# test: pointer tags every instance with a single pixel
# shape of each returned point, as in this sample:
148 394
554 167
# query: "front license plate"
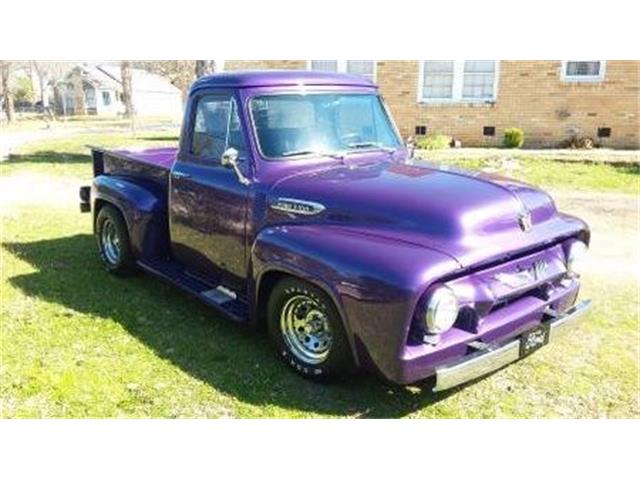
534 339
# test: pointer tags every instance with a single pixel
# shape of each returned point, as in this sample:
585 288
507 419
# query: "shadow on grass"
168 138
48 156
230 358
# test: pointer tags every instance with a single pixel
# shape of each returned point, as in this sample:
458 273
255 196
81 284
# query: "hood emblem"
296 207
524 220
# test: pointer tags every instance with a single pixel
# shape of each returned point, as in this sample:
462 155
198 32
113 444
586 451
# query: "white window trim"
458 86
342 67
583 78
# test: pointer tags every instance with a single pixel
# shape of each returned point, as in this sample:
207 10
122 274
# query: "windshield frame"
331 155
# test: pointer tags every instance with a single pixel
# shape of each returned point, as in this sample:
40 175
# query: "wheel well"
270 279
99 205
267 282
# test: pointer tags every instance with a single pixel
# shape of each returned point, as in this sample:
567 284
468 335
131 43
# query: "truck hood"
470 216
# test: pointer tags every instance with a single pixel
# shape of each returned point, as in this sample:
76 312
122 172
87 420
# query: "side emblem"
296 207
524 220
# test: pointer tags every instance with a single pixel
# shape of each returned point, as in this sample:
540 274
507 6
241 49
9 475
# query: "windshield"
321 124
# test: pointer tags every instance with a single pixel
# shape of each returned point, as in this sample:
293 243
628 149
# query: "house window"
364 68
467 81
583 71
106 98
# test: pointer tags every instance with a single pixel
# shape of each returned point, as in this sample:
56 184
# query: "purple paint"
391 231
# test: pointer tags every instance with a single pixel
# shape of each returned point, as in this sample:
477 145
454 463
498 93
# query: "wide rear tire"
114 246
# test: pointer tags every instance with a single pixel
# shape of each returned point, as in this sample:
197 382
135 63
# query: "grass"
70 156
620 178
33 122
78 342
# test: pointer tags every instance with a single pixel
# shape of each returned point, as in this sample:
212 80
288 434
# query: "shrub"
433 142
582 143
513 138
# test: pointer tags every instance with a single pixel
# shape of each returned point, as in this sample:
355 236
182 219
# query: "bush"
433 142
582 143
513 138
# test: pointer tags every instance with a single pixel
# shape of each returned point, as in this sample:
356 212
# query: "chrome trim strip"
495 357
296 207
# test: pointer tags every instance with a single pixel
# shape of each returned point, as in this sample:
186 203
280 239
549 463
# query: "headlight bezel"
436 320
576 254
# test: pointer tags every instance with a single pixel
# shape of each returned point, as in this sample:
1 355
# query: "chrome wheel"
110 242
305 329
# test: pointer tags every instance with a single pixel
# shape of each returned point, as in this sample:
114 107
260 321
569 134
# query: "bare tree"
127 92
48 73
204 67
181 73
7 94
79 104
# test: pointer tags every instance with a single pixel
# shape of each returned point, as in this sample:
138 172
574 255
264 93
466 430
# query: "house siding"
531 95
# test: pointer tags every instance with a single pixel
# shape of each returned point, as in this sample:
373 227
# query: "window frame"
583 78
256 137
342 68
457 97
187 153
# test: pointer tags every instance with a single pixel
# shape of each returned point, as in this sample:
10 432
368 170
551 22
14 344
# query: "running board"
219 297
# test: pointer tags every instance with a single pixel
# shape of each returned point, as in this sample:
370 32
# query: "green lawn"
70 156
35 122
542 170
78 342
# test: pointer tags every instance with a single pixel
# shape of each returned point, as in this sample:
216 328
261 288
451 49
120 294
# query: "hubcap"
305 329
110 242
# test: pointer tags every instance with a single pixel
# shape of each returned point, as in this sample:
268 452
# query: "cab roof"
278 78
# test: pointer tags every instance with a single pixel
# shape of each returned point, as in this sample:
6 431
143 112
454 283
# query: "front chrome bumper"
491 357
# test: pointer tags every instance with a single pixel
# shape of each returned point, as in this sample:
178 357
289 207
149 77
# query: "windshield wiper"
296 153
370 145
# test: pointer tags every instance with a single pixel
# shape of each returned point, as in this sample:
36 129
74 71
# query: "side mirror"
230 160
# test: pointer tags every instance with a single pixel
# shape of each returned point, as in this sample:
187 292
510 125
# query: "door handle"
181 175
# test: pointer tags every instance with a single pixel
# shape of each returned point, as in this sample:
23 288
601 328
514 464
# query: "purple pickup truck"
292 203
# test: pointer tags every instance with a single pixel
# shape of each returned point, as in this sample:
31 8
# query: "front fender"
143 207
375 282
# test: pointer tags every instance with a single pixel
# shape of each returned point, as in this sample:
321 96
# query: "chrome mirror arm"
230 160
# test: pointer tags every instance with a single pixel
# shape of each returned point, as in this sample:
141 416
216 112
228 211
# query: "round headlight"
576 256
442 311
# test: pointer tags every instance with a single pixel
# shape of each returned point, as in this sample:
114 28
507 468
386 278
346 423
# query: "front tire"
113 241
307 330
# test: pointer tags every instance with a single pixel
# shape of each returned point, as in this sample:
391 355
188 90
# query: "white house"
152 94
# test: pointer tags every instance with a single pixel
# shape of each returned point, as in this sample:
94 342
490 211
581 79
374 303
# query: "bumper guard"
492 357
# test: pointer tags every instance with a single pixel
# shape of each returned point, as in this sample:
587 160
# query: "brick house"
474 101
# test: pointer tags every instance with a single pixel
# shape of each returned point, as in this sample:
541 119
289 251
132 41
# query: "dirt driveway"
614 218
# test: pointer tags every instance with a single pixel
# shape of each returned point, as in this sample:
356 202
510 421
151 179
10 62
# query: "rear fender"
144 209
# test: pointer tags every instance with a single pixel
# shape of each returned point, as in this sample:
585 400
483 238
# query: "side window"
216 128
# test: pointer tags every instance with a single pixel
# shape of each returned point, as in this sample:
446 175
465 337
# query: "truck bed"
152 164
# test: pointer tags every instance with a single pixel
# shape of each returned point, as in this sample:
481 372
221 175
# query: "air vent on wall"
489 131
421 130
604 132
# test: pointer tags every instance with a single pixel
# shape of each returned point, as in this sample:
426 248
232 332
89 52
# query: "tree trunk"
127 95
79 105
41 82
7 94
204 67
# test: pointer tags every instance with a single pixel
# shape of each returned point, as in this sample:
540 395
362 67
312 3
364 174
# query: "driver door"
208 205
